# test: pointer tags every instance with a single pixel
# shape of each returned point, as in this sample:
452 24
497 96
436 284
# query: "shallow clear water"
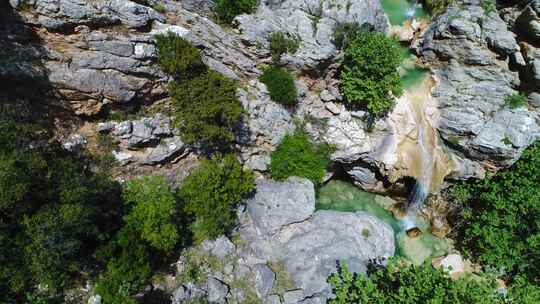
399 11
343 196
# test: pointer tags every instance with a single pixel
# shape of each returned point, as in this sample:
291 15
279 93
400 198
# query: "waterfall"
411 11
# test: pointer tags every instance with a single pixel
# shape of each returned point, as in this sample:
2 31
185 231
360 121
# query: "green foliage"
404 283
159 8
176 56
54 211
488 6
281 43
211 192
345 32
153 211
280 84
226 10
297 155
499 224
515 100
206 109
370 72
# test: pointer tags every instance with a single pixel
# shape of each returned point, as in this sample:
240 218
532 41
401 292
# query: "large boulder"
280 224
313 22
468 50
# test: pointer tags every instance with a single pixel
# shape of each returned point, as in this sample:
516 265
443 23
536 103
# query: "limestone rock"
220 247
276 204
313 22
217 291
166 150
264 280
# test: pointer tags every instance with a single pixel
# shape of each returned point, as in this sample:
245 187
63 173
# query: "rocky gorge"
98 62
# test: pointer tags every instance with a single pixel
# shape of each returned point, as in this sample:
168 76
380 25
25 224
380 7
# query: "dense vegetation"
206 108
346 31
499 224
280 84
369 77
297 155
54 211
281 43
211 193
226 10
403 283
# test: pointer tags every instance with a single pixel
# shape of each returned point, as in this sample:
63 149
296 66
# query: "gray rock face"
312 21
66 14
74 143
220 247
264 280
473 83
278 204
339 237
166 150
217 291
278 226
187 292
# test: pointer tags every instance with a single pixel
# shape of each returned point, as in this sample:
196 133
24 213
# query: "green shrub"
280 84
344 32
370 72
402 283
226 10
499 225
153 211
177 57
281 43
206 109
515 100
210 195
437 7
297 155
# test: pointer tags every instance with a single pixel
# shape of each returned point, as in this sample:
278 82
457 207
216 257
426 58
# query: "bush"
281 43
176 56
499 225
280 84
515 100
403 283
153 211
345 32
206 109
297 155
211 193
437 7
370 72
226 10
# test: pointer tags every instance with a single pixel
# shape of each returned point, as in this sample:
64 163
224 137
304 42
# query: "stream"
419 152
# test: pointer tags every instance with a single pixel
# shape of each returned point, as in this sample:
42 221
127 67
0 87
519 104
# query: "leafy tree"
297 155
499 224
211 192
206 109
346 31
369 74
178 57
404 283
153 211
280 84
54 211
226 10
281 43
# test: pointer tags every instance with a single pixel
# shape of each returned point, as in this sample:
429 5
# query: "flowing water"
399 11
343 196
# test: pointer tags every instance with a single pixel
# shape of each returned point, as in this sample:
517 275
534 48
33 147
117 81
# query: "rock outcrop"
470 52
313 22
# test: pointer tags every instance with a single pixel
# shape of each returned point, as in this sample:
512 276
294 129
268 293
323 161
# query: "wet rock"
217 291
276 204
264 280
